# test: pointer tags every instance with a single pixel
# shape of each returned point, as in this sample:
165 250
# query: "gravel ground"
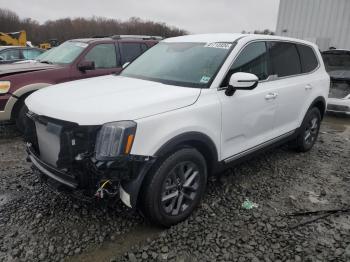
38 225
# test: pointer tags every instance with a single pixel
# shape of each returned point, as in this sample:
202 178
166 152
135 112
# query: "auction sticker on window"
219 45
205 79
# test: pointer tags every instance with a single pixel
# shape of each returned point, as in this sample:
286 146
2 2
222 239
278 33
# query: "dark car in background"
337 62
11 54
72 60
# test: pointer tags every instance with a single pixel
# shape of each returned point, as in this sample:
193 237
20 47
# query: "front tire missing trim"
174 188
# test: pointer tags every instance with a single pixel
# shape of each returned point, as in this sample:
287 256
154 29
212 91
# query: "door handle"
308 87
270 96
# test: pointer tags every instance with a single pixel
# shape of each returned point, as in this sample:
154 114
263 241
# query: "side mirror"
125 64
241 81
86 65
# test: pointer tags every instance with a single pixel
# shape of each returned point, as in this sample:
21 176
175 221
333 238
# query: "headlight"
4 87
115 139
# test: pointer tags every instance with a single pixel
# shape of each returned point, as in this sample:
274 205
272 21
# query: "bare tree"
67 28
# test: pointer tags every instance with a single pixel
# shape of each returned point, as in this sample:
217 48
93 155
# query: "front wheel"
174 188
20 116
309 130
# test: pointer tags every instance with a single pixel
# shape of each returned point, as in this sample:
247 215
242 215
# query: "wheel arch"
203 143
320 103
20 95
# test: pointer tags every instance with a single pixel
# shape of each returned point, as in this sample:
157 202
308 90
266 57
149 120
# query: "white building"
324 22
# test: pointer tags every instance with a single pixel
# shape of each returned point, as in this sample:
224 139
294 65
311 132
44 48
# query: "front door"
248 115
105 58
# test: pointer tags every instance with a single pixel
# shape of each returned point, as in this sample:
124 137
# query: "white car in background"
337 62
185 109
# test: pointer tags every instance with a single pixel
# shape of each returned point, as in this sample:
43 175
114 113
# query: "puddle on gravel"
340 124
115 249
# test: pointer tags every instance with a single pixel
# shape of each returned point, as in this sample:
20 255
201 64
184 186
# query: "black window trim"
275 78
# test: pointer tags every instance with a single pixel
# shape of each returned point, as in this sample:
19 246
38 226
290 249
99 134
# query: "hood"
10 69
100 100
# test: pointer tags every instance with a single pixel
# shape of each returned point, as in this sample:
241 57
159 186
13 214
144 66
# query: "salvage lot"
39 225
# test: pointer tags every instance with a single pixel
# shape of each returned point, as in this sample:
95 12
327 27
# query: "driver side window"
252 59
103 55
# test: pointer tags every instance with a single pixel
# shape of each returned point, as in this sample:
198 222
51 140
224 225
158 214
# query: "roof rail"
100 36
143 37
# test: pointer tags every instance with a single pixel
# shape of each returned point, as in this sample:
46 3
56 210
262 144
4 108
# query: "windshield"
185 64
65 53
337 61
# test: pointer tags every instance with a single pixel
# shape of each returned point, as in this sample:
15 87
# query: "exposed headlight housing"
4 87
115 139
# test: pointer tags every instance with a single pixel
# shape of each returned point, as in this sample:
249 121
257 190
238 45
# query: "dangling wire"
100 192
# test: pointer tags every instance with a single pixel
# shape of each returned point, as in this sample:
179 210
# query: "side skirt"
254 151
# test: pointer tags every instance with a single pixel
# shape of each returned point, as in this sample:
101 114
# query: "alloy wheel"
311 131
180 188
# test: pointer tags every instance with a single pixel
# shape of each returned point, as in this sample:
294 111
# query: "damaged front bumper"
87 181
76 169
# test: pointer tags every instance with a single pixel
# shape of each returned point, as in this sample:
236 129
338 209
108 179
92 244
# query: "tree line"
70 28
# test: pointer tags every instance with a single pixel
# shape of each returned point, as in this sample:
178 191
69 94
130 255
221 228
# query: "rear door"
290 64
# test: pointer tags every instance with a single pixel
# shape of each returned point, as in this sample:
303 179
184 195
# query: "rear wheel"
309 130
174 188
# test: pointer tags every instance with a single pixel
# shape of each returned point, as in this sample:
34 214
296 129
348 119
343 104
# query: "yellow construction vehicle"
14 38
49 44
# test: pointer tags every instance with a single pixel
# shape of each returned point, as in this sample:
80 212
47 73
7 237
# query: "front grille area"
74 163
339 90
67 138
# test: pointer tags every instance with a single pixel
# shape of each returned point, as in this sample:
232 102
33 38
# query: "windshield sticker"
83 45
219 45
205 79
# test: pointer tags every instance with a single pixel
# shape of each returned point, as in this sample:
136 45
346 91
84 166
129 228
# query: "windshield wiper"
45 62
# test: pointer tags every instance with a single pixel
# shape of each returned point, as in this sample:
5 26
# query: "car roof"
100 39
229 37
205 38
15 46
336 51
8 46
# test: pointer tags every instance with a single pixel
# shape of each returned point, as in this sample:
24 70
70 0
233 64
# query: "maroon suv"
72 60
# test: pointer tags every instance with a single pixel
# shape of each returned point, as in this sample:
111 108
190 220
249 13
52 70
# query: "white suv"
183 110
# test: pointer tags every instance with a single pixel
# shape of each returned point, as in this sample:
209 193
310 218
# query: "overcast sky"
196 16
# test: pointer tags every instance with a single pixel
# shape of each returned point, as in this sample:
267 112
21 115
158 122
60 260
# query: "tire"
309 130
174 188
20 116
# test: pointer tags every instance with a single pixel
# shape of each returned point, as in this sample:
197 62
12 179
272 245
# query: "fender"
6 114
130 189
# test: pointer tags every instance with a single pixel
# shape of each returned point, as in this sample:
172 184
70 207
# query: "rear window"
284 59
308 58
